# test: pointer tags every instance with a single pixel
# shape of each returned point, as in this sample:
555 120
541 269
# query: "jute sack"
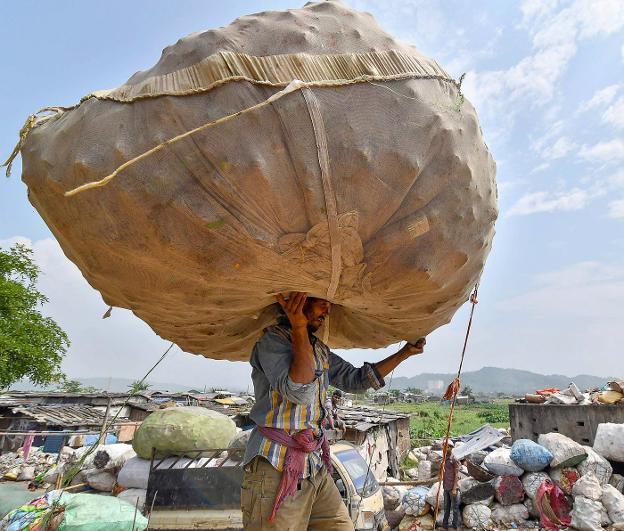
299 150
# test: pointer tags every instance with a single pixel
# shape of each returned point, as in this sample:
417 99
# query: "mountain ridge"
499 380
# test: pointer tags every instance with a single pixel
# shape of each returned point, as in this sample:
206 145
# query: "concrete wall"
577 422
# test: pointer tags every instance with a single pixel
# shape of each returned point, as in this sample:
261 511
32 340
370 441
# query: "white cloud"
543 201
614 114
561 147
540 167
600 98
604 152
616 209
556 29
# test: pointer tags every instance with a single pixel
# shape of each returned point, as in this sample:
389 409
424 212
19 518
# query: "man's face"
316 310
335 399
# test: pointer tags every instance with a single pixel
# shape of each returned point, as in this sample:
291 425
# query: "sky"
546 78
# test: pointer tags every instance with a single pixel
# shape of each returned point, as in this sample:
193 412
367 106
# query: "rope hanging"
451 394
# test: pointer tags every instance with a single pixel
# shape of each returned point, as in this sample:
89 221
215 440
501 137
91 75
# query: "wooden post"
102 439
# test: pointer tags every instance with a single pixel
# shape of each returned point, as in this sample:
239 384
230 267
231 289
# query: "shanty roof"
62 415
363 418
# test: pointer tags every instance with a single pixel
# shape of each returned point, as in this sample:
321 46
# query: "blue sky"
547 80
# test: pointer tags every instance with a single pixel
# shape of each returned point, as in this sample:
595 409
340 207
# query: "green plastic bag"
180 430
93 512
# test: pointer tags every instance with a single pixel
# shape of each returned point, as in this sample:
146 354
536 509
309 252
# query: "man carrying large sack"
287 483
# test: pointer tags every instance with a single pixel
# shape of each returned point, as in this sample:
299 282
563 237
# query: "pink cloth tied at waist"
298 445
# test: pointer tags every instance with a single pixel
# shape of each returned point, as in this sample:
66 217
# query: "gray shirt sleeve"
351 379
273 355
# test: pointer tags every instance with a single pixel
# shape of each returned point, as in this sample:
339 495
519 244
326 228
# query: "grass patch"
429 419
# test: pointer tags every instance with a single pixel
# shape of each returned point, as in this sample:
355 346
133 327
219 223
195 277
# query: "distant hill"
495 380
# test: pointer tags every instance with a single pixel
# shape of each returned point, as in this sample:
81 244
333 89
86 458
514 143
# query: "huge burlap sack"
566 452
597 465
369 184
609 441
181 430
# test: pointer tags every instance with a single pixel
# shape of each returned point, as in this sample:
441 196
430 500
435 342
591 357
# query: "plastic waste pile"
611 393
549 484
118 471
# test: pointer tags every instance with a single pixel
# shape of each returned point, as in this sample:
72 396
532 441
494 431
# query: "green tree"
74 386
415 390
467 391
137 386
31 346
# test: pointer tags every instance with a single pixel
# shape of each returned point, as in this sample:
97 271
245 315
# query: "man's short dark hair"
337 392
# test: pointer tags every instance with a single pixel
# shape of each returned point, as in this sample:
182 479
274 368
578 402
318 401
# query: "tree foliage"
137 386
74 386
31 345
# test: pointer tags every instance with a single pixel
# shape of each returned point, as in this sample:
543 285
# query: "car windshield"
357 469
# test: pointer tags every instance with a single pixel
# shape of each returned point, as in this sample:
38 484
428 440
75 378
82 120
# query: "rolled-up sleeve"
273 354
352 379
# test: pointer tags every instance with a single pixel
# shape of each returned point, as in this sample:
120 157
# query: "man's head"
336 396
316 311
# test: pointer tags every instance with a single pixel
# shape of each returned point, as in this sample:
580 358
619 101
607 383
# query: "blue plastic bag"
530 456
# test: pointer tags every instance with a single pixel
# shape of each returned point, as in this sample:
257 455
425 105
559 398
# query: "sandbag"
415 501
179 430
473 491
613 501
432 495
565 478
392 497
135 497
597 465
511 514
94 512
587 515
499 462
531 482
353 191
530 456
508 490
424 470
111 456
101 480
395 517
566 452
589 487
27 473
477 516
609 441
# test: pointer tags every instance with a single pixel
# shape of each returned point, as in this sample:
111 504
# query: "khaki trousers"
317 505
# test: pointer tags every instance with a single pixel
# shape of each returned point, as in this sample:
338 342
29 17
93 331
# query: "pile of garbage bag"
549 484
62 511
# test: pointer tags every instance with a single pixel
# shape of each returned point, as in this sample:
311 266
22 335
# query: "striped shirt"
282 403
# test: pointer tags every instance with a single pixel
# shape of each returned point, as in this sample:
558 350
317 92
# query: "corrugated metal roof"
63 415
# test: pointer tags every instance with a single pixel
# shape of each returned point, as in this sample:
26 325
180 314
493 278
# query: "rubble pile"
611 393
549 484
116 469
